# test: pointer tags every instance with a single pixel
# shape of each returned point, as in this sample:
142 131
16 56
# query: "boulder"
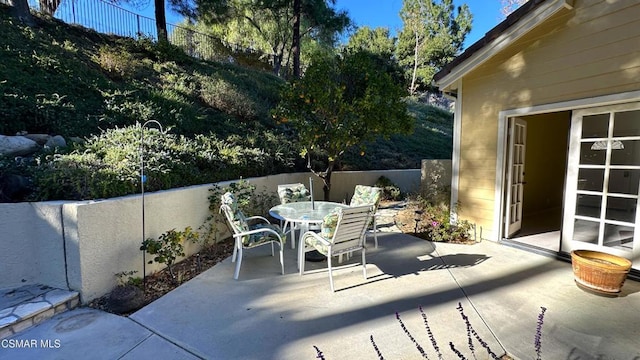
55 142
41 139
17 146
13 187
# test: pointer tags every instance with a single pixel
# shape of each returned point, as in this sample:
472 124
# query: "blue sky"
385 13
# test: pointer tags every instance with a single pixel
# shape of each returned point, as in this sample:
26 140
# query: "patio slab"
265 315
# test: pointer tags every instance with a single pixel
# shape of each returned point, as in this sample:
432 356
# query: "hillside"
67 80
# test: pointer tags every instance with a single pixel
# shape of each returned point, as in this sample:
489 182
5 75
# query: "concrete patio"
264 315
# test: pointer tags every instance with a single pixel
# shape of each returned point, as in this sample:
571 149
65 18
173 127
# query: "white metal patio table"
304 213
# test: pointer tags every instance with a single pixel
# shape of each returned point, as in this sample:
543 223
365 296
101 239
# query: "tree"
161 20
509 6
20 10
343 101
278 27
376 41
432 36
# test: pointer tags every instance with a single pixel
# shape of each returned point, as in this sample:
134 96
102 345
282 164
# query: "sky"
385 13
486 15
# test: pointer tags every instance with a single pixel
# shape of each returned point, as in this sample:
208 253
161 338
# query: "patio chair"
368 195
293 193
289 193
246 236
342 232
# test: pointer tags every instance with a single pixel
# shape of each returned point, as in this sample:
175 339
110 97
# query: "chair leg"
235 251
282 257
330 274
364 263
301 251
238 263
375 232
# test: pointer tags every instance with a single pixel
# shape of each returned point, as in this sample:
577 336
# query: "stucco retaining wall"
82 245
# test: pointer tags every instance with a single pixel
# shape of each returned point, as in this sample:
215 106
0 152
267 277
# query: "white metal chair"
289 193
249 236
368 195
342 233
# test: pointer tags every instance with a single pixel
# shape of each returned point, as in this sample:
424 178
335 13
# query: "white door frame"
501 159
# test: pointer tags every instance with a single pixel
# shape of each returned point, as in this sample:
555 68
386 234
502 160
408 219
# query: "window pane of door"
591 153
595 126
624 181
586 231
627 123
591 179
618 236
630 155
589 205
621 209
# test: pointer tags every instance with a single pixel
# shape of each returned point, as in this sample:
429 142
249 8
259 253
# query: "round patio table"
304 213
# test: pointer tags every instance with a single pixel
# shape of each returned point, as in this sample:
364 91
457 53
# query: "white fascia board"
513 33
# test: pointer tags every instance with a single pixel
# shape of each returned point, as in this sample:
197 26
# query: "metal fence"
107 18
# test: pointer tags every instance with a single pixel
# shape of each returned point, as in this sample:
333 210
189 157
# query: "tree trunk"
326 180
49 7
415 65
161 21
20 10
296 39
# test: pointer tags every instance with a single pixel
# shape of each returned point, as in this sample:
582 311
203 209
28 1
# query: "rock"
55 142
17 146
76 140
13 187
41 139
127 298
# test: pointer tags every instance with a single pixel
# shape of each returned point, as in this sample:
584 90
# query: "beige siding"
589 51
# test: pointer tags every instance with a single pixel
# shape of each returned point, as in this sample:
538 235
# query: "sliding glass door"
603 181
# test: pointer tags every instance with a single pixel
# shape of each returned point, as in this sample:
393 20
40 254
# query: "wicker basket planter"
599 271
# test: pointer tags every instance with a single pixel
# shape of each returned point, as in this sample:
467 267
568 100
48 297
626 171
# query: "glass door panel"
603 181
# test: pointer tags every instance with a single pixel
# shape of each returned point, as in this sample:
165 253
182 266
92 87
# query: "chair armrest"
258 218
256 231
315 235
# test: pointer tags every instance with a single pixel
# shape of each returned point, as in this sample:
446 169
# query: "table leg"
304 227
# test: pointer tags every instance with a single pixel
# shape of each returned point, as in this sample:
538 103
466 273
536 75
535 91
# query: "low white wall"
82 245
31 244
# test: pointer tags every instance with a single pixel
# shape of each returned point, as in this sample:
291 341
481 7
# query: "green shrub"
389 190
108 165
436 224
168 246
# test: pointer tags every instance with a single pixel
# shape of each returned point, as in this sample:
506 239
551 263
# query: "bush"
389 190
168 246
108 165
436 225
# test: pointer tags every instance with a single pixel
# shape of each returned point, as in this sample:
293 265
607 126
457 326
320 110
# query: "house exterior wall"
590 50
